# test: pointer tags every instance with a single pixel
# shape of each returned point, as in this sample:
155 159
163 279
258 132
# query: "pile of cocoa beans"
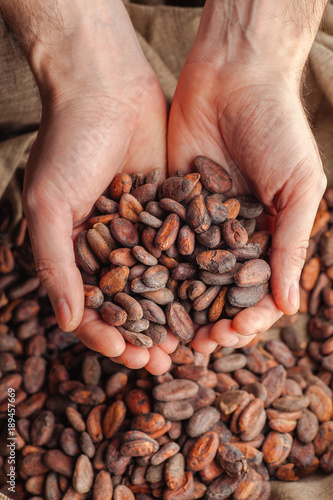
213 427
192 255
316 288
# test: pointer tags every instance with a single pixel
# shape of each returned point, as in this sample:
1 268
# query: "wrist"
82 52
269 37
76 45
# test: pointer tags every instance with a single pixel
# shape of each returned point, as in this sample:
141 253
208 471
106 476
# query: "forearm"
69 41
276 32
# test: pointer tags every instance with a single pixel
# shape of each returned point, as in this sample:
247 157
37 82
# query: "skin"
237 102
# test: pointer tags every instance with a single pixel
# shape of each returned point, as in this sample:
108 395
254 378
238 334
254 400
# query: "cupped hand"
109 115
252 122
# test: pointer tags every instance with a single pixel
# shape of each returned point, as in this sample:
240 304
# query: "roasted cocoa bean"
212 175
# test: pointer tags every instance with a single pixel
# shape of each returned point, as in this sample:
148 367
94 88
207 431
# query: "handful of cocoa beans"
172 252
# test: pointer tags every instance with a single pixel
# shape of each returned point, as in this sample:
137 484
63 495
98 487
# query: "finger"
293 225
50 228
202 342
244 340
99 336
170 344
133 357
159 361
223 333
259 318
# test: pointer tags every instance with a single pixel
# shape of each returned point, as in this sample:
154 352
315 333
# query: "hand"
236 107
103 111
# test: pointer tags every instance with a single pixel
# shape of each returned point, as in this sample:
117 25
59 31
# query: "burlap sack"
166 35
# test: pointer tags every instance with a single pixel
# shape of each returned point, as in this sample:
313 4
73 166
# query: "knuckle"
297 255
46 272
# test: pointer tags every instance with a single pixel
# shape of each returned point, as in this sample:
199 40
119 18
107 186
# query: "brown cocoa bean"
218 212
148 241
150 220
174 410
249 207
130 208
155 276
161 297
85 255
197 215
233 206
124 232
276 448
234 234
93 296
186 241
106 206
253 272
114 281
216 261
175 390
247 297
121 184
201 421
210 238
202 452
122 257
143 256
167 234
113 314
230 363
174 207
137 339
103 488
132 306
212 175
222 487
158 333
320 403
179 322
137 401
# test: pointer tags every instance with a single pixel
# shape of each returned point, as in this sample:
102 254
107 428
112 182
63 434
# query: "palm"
80 147
260 134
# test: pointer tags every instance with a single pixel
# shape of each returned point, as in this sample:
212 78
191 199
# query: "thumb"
50 231
293 226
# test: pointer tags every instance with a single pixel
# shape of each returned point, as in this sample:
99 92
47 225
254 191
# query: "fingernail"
293 295
63 314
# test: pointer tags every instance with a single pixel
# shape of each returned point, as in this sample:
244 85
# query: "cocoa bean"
252 273
212 175
114 281
216 261
234 234
247 297
197 215
179 322
121 184
113 314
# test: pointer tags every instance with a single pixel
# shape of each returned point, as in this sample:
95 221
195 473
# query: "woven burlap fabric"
166 35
